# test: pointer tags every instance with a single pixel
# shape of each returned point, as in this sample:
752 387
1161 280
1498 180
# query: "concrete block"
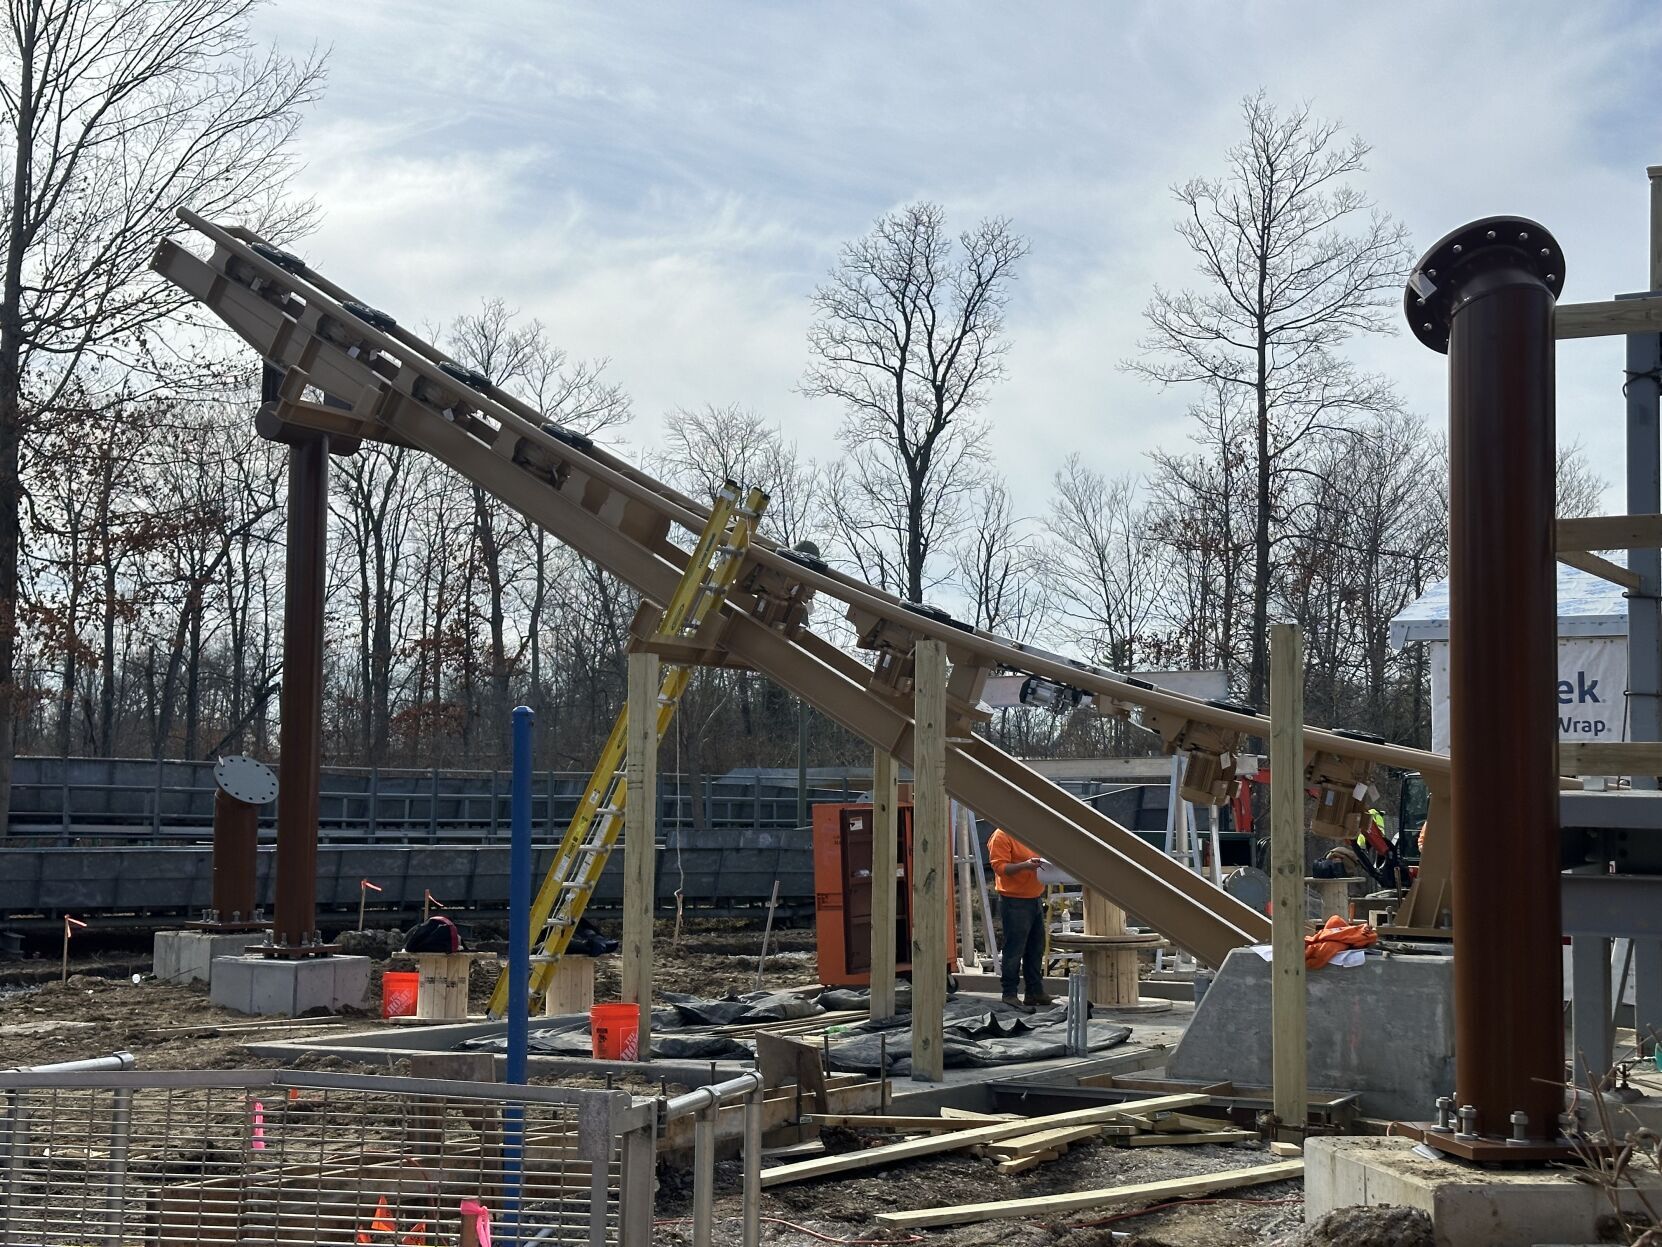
276 987
188 956
1384 1029
1469 1206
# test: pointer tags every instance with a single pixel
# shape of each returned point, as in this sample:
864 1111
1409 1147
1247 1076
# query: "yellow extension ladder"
594 828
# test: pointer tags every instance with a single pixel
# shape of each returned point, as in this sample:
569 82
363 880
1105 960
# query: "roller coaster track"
386 384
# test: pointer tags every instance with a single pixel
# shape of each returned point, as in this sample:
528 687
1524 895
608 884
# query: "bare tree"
705 446
1101 564
1580 488
117 112
1295 261
999 570
908 335
518 357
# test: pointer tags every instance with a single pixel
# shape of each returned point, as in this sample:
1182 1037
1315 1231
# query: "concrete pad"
1383 1029
1469 1206
188 956
278 987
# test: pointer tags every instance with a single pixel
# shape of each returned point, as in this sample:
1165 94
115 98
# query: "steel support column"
294 913
1485 295
1644 497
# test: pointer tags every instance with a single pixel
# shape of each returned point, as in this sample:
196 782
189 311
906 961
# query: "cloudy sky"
664 183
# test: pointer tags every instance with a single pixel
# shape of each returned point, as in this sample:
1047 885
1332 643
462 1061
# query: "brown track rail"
617 515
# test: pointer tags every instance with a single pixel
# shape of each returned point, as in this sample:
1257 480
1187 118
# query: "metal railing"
126 801
705 1104
290 1159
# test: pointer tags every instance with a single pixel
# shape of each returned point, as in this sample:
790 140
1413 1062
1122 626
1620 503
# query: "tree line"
141 516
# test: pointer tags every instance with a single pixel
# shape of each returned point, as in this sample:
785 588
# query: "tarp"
977 1032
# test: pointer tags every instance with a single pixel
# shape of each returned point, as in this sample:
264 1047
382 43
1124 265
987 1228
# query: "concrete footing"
1469 1206
1383 1029
188 956
277 987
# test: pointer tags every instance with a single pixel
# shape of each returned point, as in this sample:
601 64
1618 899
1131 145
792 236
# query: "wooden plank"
640 834
964 1114
892 1121
1278 1148
884 862
1049 1140
1049 1206
1172 1140
1615 757
931 873
1177 1123
1609 532
1604 569
949 1141
783 1061
1607 318
1021 1164
1287 993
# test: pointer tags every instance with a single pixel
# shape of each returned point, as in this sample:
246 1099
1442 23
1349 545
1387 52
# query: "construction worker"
1020 907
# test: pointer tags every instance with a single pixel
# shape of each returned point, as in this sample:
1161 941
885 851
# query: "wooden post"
1287 998
640 834
931 873
965 845
885 850
1111 973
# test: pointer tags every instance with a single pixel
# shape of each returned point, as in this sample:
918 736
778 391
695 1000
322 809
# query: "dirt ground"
101 1011
840 1209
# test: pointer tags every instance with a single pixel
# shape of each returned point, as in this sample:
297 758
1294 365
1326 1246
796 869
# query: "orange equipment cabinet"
842 895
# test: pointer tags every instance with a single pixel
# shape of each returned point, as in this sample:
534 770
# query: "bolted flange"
1439 283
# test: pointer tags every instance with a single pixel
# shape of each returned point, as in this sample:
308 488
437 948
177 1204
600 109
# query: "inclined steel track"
394 389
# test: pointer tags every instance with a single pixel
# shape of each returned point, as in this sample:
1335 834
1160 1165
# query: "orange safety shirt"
1002 849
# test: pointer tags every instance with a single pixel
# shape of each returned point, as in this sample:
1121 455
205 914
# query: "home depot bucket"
615 1031
398 993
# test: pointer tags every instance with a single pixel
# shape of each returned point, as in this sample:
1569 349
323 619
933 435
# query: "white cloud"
664 184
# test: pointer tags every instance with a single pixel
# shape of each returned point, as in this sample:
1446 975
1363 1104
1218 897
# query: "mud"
1378 1226
842 1207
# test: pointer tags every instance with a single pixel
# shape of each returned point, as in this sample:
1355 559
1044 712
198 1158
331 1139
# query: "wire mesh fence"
281 1158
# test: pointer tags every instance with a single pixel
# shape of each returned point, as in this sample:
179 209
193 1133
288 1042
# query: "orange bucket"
398 993
615 1031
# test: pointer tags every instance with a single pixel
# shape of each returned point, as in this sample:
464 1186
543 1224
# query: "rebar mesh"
205 1159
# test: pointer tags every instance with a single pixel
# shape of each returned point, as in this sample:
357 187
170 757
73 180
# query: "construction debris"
952 1140
1052 1205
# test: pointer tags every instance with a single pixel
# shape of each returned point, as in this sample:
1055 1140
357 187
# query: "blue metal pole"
519 960
519 897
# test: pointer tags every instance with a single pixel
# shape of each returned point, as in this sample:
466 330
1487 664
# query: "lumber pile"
1077 1201
1014 1143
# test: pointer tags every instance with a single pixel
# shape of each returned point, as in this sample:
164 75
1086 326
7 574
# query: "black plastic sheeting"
977 1033
675 1027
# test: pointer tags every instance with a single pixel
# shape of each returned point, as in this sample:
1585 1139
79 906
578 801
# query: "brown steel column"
1485 295
236 837
294 916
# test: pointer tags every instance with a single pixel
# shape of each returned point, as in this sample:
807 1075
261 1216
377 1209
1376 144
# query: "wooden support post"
885 854
1111 973
1287 999
965 847
931 873
640 834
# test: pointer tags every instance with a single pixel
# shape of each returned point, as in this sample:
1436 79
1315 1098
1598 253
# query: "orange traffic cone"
382 1224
